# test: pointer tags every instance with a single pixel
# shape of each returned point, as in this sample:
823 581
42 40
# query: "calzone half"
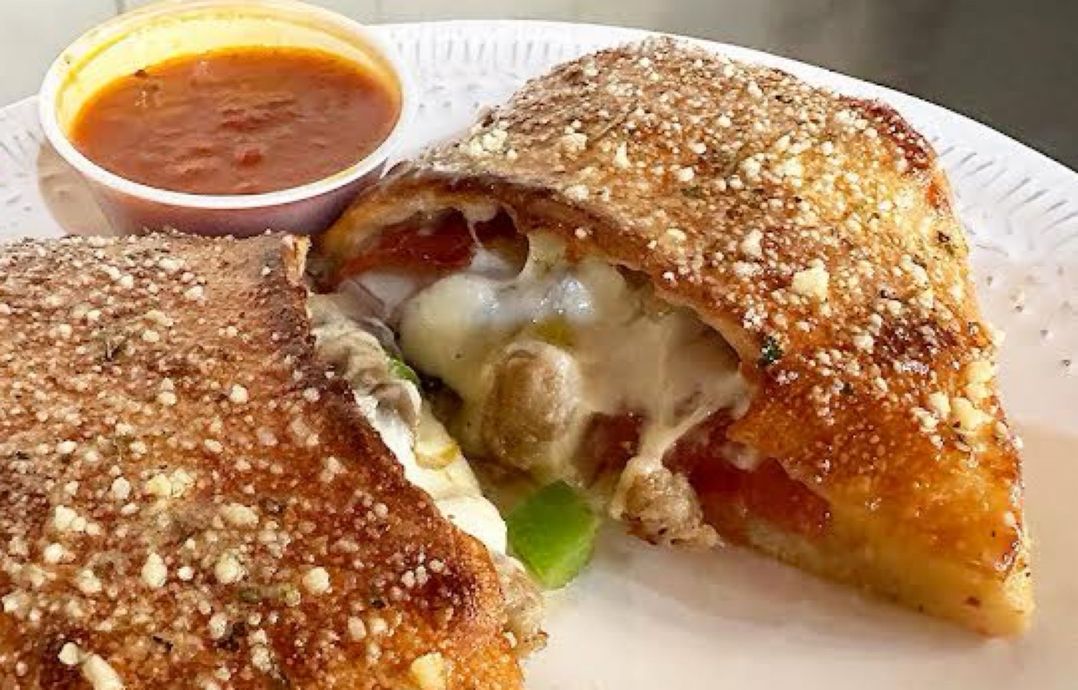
725 303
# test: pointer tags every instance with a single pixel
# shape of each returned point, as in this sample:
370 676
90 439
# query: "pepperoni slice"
432 247
415 247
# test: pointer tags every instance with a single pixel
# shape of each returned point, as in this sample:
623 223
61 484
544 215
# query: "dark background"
1010 64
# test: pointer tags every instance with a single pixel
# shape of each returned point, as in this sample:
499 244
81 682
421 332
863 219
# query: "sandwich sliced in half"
724 303
190 497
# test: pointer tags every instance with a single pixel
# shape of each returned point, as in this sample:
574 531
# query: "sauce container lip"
57 75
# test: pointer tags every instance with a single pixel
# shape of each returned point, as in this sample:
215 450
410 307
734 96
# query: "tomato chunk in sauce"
730 495
238 121
609 442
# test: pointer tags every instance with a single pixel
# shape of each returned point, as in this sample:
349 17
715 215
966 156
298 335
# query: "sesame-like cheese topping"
812 282
316 581
154 572
100 674
429 672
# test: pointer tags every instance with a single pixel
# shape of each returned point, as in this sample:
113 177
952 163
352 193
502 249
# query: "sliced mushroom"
532 417
358 357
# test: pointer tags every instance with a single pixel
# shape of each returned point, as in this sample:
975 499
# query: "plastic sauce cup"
172 29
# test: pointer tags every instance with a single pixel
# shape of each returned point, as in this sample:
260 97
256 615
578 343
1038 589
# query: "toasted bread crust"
816 233
169 507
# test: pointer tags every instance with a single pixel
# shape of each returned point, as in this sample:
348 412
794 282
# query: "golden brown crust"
187 498
816 233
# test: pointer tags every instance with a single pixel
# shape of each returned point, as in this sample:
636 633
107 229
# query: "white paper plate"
644 618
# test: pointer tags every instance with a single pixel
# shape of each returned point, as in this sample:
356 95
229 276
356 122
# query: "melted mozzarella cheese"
634 353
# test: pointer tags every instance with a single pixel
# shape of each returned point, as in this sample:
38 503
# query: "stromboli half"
191 500
815 232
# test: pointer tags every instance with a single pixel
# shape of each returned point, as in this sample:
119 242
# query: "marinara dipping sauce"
237 121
